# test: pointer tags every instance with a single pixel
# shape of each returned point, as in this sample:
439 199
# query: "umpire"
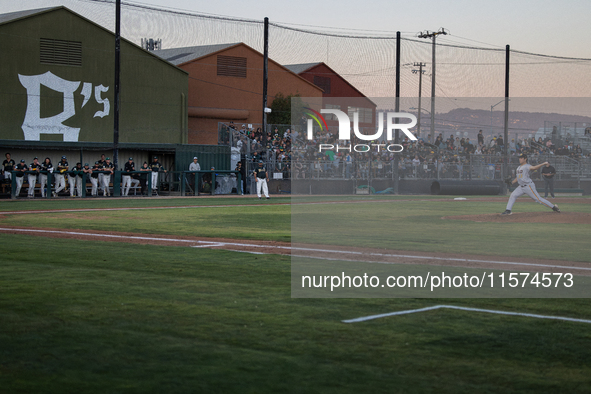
548 173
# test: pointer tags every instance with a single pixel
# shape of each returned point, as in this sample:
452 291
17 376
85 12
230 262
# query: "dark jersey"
108 167
35 166
8 165
77 171
155 166
62 167
46 167
260 173
129 166
548 170
19 168
95 168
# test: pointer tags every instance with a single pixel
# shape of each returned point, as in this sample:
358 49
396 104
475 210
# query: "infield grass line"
373 317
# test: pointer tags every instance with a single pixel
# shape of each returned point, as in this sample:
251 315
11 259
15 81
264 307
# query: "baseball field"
183 295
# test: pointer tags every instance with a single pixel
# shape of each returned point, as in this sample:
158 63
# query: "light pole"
420 72
432 35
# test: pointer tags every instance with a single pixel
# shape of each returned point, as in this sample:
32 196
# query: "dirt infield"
528 217
383 256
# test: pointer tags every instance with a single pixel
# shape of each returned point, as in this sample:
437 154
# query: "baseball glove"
508 180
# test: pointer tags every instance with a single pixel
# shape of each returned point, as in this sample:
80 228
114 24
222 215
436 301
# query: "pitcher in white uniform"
527 186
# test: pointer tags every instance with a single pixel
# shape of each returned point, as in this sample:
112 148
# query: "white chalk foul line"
346 252
373 317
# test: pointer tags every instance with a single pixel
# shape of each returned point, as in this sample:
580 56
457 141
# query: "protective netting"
366 61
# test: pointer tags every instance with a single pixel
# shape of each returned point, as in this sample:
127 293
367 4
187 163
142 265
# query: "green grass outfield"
81 316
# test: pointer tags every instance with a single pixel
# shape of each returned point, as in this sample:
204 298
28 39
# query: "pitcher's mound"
528 217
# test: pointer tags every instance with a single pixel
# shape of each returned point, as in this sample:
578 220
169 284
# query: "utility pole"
432 35
420 72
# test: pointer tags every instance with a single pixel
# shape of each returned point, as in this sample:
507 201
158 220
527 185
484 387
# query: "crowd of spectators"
447 157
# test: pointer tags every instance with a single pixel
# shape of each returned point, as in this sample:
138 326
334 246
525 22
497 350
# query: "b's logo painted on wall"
34 125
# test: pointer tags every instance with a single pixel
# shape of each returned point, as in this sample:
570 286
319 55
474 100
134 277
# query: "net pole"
117 83
506 126
397 109
265 73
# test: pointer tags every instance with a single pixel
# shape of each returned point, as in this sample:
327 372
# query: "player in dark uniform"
46 168
94 178
156 167
101 175
60 180
129 167
262 177
143 178
34 167
548 173
20 169
87 174
8 167
108 167
75 180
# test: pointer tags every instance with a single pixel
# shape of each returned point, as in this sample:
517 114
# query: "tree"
283 107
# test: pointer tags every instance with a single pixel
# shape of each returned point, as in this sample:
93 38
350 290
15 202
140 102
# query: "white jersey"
522 173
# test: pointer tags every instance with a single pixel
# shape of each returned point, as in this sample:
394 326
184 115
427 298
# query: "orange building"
226 84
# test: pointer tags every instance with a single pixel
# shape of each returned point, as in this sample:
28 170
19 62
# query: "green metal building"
57 93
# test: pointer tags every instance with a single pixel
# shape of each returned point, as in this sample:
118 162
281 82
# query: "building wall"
214 98
341 93
76 103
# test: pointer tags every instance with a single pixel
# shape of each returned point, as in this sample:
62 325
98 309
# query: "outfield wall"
419 186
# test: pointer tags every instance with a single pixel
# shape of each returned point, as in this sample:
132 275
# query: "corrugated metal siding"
209 155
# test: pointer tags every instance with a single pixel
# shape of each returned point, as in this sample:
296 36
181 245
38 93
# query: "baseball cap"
108 158
85 164
35 158
63 157
155 157
96 162
131 158
195 158
22 160
523 155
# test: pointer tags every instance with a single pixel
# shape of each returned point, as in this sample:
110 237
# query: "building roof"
303 68
300 68
182 55
11 16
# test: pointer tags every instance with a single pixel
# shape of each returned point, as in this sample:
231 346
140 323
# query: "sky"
538 26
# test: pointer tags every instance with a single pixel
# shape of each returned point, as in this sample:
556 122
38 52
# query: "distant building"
334 89
226 84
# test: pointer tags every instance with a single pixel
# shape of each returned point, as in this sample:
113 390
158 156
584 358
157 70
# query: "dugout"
470 188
